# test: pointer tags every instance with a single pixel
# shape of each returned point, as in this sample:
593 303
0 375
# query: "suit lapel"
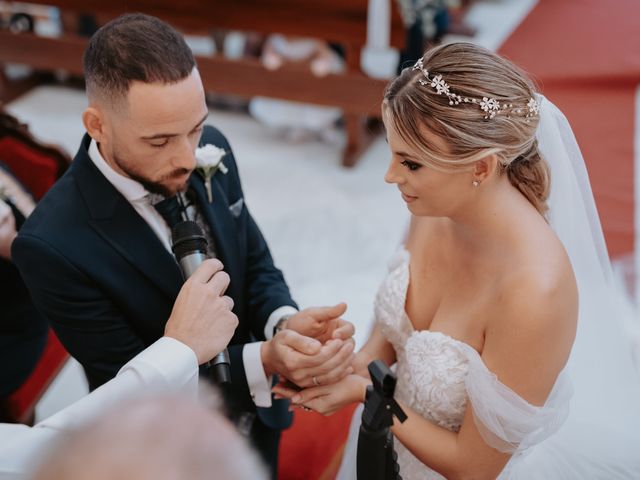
220 221
136 242
117 222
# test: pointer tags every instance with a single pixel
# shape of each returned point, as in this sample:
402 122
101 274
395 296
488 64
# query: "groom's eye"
160 145
413 166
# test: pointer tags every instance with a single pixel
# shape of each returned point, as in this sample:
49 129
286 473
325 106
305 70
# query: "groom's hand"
302 359
322 323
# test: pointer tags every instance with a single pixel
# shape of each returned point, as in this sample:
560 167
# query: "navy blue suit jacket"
107 284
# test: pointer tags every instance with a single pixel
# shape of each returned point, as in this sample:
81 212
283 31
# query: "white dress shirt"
137 196
166 366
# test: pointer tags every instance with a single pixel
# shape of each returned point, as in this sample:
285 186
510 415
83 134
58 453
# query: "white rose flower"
208 162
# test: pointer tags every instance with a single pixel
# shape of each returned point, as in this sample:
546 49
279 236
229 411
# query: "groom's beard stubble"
152 186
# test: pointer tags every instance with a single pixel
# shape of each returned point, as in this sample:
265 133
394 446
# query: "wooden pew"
340 21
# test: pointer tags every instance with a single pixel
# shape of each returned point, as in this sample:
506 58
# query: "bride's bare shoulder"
540 275
535 317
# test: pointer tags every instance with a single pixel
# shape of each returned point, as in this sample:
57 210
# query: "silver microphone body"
190 263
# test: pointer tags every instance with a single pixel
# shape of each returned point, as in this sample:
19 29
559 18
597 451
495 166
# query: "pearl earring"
476 183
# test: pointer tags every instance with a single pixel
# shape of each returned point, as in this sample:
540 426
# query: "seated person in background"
427 22
200 326
28 167
23 330
294 120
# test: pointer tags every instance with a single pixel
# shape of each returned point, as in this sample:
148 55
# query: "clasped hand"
317 361
315 347
331 397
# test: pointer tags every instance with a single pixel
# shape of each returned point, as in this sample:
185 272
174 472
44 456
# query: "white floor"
331 230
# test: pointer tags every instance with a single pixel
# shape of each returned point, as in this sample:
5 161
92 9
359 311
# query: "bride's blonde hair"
470 71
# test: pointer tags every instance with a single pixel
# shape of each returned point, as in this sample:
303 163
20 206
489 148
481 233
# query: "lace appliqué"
438 371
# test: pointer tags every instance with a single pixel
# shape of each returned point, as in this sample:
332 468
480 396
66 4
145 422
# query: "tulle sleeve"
506 421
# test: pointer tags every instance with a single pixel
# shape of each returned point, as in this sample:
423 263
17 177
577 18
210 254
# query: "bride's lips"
408 198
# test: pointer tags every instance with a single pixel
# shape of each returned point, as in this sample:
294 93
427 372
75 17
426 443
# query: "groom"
96 253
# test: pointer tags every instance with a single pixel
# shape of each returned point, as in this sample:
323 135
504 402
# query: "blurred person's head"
162 438
483 136
146 101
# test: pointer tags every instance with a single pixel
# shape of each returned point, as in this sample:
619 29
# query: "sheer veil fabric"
601 435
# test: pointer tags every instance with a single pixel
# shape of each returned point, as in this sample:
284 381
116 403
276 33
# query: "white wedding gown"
437 374
431 366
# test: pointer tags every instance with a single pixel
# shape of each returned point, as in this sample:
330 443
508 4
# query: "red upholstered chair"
35 170
37 166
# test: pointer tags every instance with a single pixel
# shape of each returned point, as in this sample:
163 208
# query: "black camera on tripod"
377 460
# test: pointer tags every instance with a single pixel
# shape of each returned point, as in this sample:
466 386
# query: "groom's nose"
184 155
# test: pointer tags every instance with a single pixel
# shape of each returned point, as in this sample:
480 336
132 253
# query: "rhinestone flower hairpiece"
490 106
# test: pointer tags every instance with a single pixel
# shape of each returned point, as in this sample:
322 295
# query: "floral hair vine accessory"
490 106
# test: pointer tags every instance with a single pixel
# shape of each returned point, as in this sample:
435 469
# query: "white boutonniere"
208 162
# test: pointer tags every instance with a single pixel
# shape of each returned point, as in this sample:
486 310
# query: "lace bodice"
431 366
437 374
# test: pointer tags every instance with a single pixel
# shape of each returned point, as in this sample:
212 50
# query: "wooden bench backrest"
340 21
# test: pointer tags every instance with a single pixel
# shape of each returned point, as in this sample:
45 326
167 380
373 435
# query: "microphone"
190 249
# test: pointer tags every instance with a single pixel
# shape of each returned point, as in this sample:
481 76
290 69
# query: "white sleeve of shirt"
277 314
259 383
166 366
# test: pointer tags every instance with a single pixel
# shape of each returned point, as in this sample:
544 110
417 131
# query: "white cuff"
174 360
259 384
167 366
277 314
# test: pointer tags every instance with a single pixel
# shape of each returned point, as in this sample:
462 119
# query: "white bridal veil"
600 438
590 431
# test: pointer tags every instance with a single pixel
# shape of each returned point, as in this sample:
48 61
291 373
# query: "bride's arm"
377 347
526 348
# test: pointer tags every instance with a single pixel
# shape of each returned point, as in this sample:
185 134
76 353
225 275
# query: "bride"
509 343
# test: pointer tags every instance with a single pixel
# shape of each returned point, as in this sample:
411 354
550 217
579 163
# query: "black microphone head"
191 195
188 237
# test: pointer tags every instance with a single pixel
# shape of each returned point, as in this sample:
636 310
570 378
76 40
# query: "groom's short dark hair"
134 47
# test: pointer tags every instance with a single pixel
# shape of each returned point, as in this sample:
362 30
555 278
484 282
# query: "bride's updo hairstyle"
480 104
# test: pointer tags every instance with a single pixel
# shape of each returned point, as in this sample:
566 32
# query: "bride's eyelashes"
413 166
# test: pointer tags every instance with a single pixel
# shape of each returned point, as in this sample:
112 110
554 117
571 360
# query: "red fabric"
309 449
22 403
36 170
585 56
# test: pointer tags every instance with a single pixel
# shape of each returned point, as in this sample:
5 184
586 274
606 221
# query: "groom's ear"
485 168
94 122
